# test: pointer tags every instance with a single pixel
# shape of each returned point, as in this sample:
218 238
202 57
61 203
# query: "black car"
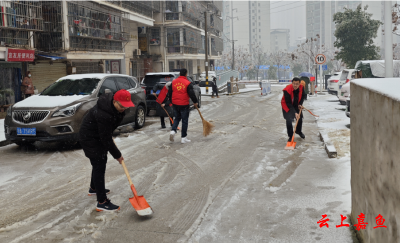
152 79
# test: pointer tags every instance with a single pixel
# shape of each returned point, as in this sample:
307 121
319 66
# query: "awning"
50 57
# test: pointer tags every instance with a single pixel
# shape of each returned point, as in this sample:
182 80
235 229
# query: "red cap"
124 98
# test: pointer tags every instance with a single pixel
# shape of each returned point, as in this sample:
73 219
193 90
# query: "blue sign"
287 67
276 66
324 67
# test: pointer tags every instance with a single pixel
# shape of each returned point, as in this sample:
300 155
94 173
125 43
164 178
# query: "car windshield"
151 80
67 87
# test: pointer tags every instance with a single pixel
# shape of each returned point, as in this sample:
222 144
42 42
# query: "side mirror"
106 91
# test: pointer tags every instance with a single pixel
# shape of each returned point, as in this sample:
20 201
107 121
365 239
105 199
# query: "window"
155 36
108 84
133 82
253 30
173 37
253 23
259 4
123 83
252 11
259 36
259 17
171 66
259 30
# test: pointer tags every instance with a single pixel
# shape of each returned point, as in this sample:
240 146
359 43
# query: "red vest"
179 91
290 90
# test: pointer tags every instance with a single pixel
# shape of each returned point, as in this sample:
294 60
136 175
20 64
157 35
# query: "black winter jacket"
293 106
98 126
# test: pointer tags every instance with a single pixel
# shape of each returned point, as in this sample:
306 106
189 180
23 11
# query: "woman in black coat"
166 104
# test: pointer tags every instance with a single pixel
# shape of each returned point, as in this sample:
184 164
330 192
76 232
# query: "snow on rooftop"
386 86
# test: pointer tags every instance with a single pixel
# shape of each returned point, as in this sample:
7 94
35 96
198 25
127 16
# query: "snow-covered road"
236 185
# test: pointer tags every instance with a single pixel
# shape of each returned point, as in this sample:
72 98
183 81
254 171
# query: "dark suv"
152 79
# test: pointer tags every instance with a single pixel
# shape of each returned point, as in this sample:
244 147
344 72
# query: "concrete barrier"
375 158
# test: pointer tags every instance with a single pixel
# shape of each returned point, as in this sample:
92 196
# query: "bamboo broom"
207 126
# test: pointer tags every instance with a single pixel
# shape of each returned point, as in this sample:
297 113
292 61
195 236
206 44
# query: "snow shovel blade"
290 145
140 204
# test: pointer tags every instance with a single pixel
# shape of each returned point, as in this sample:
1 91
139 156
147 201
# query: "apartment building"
253 25
177 39
280 39
65 37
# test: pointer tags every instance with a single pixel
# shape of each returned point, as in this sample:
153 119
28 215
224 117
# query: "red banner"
20 55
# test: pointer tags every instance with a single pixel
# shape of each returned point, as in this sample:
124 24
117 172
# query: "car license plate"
340 86
342 94
26 131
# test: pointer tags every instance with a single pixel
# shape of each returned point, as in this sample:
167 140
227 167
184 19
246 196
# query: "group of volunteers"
98 126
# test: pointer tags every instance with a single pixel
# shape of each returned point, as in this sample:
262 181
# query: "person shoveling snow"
292 101
96 140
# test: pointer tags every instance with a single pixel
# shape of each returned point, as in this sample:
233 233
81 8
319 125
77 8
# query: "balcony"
145 8
91 27
17 20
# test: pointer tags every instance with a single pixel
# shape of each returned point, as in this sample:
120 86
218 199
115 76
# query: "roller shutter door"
44 74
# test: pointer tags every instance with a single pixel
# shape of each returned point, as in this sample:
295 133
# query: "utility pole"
320 44
233 55
206 40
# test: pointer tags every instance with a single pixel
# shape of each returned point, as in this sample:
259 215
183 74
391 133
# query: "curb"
5 143
329 148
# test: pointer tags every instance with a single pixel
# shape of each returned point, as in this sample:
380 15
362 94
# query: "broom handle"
296 124
199 112
164 109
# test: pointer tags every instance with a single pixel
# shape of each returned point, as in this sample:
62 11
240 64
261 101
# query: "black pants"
214 90
181 113
97 182
289 126
163 122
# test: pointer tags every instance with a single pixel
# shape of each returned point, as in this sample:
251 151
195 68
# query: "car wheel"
22 143
199 100
140 117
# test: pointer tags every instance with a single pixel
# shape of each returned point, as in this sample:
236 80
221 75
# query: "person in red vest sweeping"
292 100
180 91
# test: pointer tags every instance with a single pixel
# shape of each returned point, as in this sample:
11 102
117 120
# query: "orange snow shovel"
291 145
139 203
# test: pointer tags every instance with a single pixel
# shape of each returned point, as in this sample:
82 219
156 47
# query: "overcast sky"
289 15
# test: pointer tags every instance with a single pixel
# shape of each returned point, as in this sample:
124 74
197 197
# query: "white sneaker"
185 140
171 136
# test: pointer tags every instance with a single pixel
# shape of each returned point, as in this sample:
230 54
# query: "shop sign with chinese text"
20 55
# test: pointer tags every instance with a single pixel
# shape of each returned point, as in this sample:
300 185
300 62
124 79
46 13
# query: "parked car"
347 75
348 107
344 93
152 79
375 68
333 83
56 113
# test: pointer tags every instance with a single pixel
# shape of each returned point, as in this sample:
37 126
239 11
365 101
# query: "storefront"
46 72
11 73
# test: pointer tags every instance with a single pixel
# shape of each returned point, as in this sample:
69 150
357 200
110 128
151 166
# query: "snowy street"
236 185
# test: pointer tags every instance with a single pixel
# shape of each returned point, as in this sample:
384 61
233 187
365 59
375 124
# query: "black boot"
162 122
301 135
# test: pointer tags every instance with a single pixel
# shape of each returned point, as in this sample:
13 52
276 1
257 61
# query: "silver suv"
57 113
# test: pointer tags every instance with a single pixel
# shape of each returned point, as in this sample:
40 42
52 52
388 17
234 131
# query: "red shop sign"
20 55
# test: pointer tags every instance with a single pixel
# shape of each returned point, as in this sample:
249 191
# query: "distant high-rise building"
280 39
326 9
253 26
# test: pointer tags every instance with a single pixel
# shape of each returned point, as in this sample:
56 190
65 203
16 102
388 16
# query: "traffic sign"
320 59
324 67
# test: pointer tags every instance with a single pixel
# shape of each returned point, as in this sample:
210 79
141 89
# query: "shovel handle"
126 172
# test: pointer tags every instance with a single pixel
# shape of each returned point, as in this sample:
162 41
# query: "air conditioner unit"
141 30
137 52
